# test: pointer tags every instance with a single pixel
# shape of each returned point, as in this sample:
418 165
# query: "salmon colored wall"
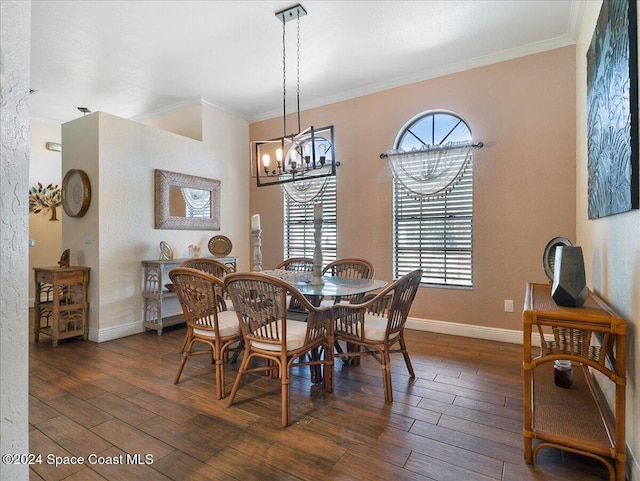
525 182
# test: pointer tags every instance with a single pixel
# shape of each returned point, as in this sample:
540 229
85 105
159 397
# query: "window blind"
435 233
299 230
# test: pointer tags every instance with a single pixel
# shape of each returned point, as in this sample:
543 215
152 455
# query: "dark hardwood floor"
459 419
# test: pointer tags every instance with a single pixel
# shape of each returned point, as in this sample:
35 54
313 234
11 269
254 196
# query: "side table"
61 305
155 276
575 419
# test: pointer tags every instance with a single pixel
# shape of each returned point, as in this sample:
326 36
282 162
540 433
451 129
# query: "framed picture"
186 202
612 113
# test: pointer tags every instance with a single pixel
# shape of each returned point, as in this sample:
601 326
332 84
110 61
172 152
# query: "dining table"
337 287
331 286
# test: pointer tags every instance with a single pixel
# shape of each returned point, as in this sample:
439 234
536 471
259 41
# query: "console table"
155 274
61 306
574 419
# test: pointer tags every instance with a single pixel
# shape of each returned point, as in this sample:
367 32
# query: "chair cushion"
327 302
229 304
227 324
296 332
375 327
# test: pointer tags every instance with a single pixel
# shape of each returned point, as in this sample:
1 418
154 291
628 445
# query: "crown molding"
440 71
183 104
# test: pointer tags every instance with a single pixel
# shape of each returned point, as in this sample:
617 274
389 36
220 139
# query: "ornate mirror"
186 202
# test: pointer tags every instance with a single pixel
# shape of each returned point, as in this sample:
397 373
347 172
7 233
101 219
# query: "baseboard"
116 332
468 330
633 466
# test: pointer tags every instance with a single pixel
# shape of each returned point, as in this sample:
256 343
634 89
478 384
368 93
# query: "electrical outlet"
508 305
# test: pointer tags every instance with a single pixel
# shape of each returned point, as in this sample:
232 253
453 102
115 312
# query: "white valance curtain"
431 170
306 189
197 200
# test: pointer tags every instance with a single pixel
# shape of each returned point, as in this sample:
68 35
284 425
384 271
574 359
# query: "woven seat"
376 325
207 319
260 303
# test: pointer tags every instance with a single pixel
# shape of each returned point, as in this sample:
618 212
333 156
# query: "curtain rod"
477 145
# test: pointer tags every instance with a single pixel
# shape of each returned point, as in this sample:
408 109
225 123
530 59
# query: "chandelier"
301 162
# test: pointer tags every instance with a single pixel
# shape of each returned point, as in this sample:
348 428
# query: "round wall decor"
549 256
219 246
76 193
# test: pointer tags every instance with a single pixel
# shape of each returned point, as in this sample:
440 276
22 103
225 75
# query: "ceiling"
135 59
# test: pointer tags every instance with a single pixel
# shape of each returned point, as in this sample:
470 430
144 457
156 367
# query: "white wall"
611 248
118 231
227 136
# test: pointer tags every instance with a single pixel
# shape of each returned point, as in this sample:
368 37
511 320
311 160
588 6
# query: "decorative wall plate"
219 246
76 193
549 257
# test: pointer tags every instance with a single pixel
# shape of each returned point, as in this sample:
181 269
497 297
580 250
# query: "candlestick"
255 222
317 252
257 252
255 237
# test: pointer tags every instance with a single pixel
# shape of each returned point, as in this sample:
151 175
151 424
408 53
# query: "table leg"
355 360
55 316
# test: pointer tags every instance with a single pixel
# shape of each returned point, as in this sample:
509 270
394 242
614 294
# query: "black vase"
569 284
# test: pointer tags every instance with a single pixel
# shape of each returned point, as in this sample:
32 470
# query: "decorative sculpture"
569 285
64 258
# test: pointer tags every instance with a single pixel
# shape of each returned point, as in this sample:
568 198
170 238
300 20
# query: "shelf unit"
61 306
155 274
576 419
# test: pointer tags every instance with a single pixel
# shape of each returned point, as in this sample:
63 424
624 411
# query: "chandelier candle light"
256 231
317 252
300 161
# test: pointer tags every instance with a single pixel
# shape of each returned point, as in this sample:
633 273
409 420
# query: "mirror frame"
164 180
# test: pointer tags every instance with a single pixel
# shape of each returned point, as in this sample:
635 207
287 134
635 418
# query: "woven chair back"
211 266
261 303
350 268
199 294
298 264
404 292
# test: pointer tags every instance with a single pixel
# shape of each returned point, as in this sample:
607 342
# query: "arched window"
434 232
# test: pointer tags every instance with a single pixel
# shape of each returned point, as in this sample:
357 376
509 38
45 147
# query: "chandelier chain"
298 71
284 79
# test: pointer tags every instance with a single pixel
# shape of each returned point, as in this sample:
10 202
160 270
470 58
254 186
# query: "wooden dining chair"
213 267
350 269
296 264
260 303
206 264
208 321
376 325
